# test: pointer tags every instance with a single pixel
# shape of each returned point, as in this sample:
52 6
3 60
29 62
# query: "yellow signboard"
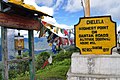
95 35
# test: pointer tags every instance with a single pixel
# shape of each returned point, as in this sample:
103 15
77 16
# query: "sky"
66 13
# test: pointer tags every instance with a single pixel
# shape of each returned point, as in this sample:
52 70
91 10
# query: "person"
118 42
54 48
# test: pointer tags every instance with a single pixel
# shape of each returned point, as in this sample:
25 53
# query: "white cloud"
58 4
55 4
73 6
111 7
49 20
63 26
22 33
55 23
98 7
25 33
115 12
45 2
44 9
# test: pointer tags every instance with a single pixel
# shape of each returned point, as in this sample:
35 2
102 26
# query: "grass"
57 70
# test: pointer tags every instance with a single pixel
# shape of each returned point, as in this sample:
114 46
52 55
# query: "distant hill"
40 45
37 52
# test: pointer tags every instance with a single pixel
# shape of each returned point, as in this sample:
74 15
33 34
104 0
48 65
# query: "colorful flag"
48 61
65 32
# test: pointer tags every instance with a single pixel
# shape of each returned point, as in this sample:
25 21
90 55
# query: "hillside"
57 70
39 43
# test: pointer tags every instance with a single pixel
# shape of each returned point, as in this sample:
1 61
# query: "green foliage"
73 49
22 67
59 67
62 55
0 74
41 58
12 74
19 69
65 54
1 65
65 62
25 54
57 70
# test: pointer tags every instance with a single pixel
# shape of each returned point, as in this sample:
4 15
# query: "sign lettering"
96 35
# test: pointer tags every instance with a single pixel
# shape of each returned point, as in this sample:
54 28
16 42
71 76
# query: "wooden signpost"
95 35
15 19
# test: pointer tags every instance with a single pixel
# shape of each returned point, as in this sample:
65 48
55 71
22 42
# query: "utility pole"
87 8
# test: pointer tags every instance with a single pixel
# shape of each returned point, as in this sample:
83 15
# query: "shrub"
12 74
65 54
41 58
0 74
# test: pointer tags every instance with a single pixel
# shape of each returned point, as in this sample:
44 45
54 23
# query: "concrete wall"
106 66
101 64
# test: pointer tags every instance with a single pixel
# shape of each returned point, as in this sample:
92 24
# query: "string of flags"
61 32
48 61
56 36
51 31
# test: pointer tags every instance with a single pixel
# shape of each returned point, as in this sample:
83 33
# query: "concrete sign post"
95 35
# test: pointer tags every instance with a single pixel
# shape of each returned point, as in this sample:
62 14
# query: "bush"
73 49
12 74
41 58
20 68
65 54
0 74
56 71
